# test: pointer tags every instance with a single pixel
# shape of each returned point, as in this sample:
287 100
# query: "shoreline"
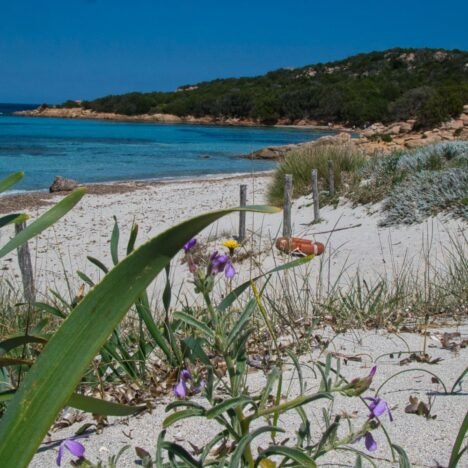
378 137
32 199
85 114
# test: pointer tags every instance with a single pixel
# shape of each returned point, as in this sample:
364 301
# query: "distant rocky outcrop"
381 138
61 184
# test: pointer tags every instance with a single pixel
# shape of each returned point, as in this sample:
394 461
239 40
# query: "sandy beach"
362 247
365 247
428 442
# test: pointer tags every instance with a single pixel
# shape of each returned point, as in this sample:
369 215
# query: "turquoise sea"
99 151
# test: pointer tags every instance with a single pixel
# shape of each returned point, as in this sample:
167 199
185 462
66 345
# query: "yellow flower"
231 244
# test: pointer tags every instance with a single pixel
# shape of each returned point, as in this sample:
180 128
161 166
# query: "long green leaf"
105 408
98 263
114 243
457 450
51 381
226 405
240 323
236 457
404 460
290 453
49 309
180 452
12 343
193 322
10 180
183 414
13 219
43 222
91 405
132 239
153 329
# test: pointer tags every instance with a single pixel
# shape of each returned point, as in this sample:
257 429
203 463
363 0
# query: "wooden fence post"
315 194
243 202
25 265
288 189
331 179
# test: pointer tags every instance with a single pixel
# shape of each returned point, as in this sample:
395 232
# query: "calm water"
96 151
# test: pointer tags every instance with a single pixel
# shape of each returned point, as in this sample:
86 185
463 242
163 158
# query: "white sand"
427 442
371 250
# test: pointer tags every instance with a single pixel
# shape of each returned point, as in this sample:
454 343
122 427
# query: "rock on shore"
381 138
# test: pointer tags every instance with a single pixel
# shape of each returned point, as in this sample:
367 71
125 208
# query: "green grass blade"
85 278
98 263
114 243
44 221
183 414
132 239
236 457
289 453
457 450
10 180
193 322
13 219
42 306
52 380
91 405
153 330
226 405
404 460
102 407
12 343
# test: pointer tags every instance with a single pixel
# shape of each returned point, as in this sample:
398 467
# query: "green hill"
429 85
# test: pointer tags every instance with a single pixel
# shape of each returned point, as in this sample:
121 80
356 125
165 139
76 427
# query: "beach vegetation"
415 184
109 336
411 184
300 162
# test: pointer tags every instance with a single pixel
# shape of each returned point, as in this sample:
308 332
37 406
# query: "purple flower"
180 389
185 375
74 447
190 245
378 407
200 387
370 442
220 263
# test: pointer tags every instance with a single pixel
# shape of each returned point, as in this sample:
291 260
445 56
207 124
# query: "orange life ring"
296 244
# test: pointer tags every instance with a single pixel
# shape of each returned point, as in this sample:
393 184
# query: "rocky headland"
381 138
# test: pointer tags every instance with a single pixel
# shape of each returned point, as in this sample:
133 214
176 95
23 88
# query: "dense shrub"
425 194
380 174
434 157
379 86
439 107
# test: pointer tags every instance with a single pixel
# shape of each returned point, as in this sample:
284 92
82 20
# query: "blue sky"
52 50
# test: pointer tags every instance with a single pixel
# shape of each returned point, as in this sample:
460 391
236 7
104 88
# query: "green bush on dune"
414 184
300 163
